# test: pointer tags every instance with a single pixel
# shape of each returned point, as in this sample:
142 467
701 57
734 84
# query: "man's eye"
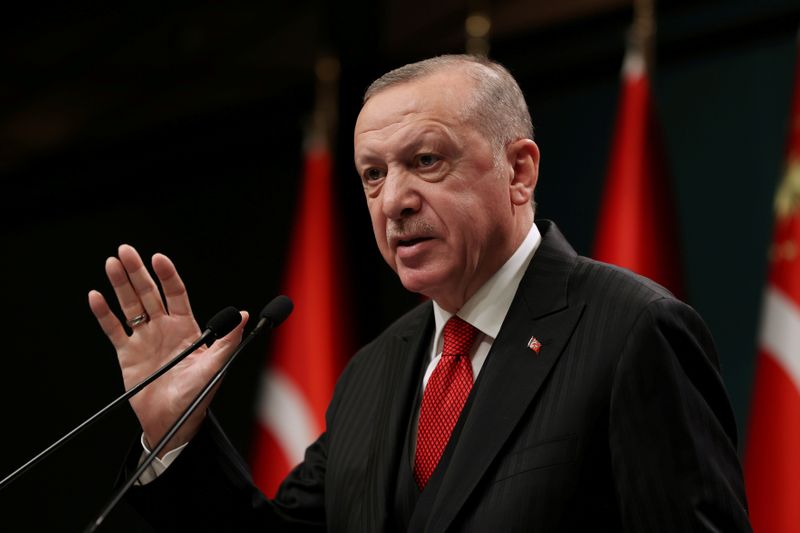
427 160
373 174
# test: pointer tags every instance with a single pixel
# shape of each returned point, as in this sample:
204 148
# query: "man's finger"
172 285
107 319
146 289
126 295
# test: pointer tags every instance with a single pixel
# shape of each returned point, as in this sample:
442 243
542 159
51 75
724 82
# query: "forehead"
442 97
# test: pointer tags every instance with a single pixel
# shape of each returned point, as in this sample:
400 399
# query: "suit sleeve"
671 429
209 488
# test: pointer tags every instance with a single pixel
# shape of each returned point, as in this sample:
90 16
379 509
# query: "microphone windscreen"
277 310
223 322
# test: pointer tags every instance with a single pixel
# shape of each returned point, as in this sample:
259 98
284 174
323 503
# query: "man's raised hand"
170 327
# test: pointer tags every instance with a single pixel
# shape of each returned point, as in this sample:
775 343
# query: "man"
538 390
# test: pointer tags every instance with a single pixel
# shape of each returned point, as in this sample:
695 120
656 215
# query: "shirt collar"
487 308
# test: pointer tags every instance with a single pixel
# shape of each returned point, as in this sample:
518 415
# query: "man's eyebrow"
367 155
429 137
410 142
368 158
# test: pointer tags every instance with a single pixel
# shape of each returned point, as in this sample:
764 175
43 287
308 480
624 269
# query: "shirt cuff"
158 466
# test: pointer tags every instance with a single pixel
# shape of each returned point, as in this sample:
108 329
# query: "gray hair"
498 109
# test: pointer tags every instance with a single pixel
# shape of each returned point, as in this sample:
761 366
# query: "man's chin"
421 282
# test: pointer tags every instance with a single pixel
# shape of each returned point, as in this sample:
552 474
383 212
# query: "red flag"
309 349
637 228
772 459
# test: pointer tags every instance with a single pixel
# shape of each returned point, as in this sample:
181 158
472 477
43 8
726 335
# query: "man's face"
441 211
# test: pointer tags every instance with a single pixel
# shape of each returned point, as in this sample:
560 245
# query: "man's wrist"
159 464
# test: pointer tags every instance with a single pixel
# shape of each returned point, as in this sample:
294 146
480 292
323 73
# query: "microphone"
272 315
276 311
220 325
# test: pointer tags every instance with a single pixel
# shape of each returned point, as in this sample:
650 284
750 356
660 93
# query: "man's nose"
400 197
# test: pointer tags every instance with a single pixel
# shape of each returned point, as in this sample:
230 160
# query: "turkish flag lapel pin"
534 344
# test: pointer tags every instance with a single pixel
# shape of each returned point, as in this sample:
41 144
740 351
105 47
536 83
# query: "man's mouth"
412 242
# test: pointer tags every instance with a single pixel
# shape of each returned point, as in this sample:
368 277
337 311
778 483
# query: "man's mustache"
408 227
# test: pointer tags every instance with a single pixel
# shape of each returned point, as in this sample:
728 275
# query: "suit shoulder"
593 281
411 323
416 317
624 299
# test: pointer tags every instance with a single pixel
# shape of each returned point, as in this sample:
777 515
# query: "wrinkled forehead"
446 96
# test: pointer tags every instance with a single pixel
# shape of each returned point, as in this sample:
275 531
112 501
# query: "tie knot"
458 337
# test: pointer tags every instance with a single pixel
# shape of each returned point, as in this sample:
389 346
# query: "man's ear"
523 157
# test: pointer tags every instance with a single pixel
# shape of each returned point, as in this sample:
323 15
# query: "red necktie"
444 397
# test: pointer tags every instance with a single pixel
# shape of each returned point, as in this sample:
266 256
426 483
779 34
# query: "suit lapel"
403 356
513 372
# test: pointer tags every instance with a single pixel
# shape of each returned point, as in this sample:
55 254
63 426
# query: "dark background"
178 128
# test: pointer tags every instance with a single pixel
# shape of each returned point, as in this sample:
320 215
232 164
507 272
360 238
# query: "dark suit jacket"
619 423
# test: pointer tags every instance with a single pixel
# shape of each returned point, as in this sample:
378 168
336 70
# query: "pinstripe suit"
619 423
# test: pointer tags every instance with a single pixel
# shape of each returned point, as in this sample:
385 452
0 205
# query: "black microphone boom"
273 314
220 325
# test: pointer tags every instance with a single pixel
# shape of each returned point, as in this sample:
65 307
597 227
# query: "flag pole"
641 37
325 114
